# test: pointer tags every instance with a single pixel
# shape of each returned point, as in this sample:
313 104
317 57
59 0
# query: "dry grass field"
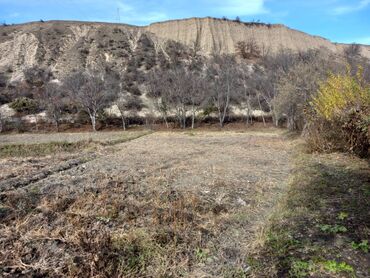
166 204
180 204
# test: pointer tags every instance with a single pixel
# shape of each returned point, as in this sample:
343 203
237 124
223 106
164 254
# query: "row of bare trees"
189 86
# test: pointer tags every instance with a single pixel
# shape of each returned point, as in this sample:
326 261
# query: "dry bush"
248 50
339 116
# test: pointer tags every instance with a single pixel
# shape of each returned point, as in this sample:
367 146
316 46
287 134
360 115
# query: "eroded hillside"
65 46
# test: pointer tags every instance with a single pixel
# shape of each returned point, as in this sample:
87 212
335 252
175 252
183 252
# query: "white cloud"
240 7
339 10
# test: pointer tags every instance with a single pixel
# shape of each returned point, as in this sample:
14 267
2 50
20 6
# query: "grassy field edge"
321 226
44 149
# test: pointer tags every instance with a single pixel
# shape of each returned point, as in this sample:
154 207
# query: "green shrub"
25 105
326 228
300 268
363 245
335 267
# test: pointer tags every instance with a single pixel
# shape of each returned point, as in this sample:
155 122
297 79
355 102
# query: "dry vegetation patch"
322 226
37 145
161 205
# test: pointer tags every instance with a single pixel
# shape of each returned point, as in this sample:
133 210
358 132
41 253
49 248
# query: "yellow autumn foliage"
340 93
340 116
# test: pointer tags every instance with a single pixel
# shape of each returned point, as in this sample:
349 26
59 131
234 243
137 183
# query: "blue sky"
338 20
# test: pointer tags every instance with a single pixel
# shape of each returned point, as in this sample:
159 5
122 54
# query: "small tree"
248 50
4 95
177 85
3 81
179 90
225 79
1 121
157 95
352 54
248 95
128 104
294 91
91 92
197 94
37 77
52 98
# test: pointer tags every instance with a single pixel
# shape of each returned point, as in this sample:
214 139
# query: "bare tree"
157 94
174 86
177 83
3 81
3 97
352 51
4 94
176 53
247 94
178 90
33 86
295 89
223 74
91 92
248 50
197 94
53 99
37 77
266 75
128 105
1 121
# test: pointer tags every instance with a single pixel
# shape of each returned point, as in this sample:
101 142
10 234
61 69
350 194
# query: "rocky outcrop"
64 46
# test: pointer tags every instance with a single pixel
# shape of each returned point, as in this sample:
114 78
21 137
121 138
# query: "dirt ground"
208 192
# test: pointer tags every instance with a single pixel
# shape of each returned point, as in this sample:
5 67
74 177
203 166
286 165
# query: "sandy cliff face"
221 36
64 46
215 35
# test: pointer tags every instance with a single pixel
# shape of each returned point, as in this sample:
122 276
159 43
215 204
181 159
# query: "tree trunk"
221 122
123 123
226 107
164 116
192 119
275 118
249 118
93 120
220 119
183 119
56 122
263 117
36 122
